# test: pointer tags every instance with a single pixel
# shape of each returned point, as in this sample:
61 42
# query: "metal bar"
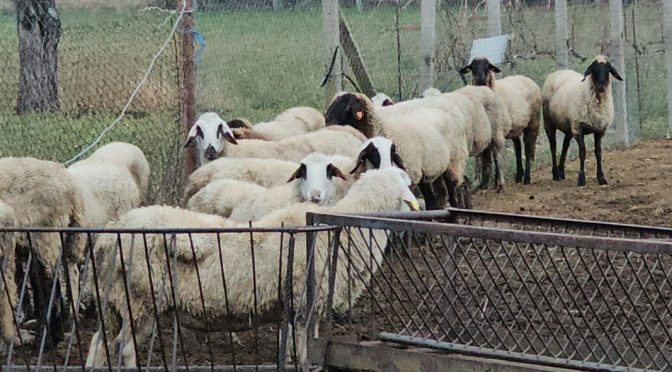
256 301
202 297
225 368
172 230
532 237
498 354
154 306
226 297
128 297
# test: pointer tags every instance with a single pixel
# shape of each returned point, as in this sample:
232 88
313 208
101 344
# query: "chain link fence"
102 54
256 58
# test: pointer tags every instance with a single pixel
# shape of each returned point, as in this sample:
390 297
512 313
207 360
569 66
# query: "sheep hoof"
526 181
582 180
556 175
602 181
519 177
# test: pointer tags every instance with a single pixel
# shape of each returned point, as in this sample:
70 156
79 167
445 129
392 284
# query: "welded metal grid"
162 338
541 296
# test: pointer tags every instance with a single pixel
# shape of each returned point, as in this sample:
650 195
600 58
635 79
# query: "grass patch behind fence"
258 62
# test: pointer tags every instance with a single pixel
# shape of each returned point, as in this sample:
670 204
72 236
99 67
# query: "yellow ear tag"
359 115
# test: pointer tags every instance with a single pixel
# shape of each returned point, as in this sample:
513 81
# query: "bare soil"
639 190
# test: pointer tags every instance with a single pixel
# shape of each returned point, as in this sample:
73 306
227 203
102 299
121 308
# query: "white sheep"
8 298
431 92
382 99
42 193
317 179
292 122
576 105
522 98
430 140
376 191
211 133
124 155
263 172
108 192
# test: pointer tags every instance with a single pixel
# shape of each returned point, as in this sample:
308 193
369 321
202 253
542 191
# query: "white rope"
137 88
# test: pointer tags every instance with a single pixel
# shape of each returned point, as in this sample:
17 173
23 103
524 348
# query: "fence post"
494 17
561 34
427 43
277 4
667 34
620 125
186 70
359 4
330 18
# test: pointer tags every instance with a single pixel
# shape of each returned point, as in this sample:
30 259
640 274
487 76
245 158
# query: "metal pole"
561 35
667 33
427 43
620 125
494 17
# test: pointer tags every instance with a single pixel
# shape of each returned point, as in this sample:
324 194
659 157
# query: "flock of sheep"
364 155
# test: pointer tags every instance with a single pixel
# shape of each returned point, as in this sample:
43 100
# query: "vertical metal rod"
256 301
226 298
154 306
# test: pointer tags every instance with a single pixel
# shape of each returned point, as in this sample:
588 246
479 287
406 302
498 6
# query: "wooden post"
355 58
330 20
667 34
187 93
561 34
277 4
427 43
494 17
620 124
359 4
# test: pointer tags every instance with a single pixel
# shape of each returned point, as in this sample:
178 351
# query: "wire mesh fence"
101 55
545 297
156 298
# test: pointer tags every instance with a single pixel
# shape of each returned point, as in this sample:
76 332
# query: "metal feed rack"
173 344
558 292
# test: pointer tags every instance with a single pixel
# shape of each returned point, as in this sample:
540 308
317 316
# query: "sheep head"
482 71
381 100
599 71
351 109
316 178
380 152
210 132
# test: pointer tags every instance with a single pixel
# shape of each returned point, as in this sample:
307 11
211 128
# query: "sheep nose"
315 196
210 153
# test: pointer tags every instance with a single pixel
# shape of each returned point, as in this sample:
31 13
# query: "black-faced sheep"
522 98
577 105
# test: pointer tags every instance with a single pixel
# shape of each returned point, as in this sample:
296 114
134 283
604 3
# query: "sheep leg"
96 356
519 159
550 133
601 180
563 156
529 138
451 185
499 174
441 192
426 190
582 159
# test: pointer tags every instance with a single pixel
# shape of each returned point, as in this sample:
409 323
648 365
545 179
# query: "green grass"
258 62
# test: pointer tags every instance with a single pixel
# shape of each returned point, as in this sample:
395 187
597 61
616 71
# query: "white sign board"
492 48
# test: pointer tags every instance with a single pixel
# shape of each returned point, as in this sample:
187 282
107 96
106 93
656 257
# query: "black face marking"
387 102
480 69
332 171
370 153
348 109
298 173
599 74
396 159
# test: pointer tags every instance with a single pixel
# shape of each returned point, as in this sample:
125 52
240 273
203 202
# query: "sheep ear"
465 70
193 132
614 73
368 150
239 123
357 108
396 159
588 71
228 134
300 172
333 170
494 68
387 102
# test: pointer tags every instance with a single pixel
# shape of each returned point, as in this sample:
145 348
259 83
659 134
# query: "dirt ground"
639 190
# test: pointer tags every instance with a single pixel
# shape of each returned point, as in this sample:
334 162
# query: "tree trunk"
427 43
39 32
331 29
667 34
620 124
494 18
561 35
